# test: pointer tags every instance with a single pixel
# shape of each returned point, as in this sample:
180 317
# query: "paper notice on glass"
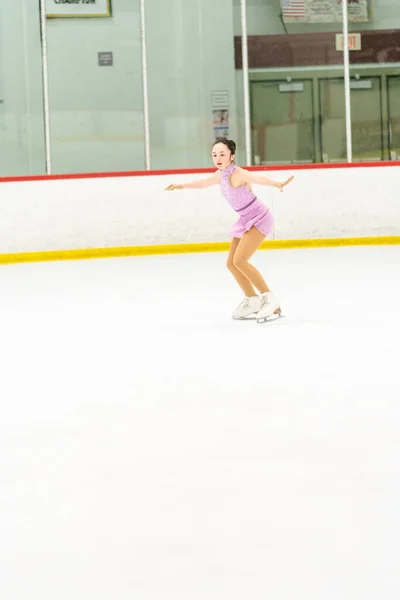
221 123
78 8
323 11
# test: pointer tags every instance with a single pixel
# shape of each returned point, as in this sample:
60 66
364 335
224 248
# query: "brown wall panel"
316 49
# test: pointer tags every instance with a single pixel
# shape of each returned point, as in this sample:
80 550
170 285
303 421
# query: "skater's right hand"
281 184
173 187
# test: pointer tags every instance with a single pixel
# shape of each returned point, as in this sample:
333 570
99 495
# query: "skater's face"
222 156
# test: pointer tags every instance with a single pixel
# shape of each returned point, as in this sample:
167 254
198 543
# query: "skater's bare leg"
242 280
245 249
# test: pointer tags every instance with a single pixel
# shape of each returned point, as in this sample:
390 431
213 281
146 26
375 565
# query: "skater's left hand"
173 187
281 184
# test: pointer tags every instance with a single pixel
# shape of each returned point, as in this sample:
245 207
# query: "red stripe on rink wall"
356 165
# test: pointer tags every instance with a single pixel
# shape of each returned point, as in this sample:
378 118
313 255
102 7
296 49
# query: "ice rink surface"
151 448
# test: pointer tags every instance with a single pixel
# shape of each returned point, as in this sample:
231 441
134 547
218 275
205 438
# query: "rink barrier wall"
93 253
101 215
169 172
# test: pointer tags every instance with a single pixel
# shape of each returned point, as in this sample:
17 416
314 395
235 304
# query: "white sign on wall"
78 8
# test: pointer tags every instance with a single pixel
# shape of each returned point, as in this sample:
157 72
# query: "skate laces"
264 301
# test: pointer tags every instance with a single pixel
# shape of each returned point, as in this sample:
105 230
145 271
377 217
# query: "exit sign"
354 41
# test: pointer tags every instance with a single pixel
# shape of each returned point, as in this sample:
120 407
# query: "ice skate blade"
270 319
249 318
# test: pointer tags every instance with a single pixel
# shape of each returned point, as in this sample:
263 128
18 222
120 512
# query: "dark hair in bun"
230 144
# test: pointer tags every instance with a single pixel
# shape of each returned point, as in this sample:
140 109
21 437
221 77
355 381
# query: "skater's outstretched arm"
262 180
196 185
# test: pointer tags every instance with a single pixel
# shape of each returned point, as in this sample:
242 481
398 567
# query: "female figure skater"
254 224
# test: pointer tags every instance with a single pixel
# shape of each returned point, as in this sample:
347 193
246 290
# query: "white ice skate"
249 306
270 309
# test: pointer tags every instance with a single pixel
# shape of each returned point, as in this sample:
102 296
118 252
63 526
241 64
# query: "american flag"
293 8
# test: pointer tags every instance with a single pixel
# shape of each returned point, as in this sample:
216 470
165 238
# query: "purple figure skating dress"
252 212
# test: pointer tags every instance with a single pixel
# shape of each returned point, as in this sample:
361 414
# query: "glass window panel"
192 85
393 137
96 92
292 51
21 96
375 70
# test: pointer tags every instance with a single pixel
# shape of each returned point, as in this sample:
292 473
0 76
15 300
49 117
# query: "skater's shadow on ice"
204 327
286 321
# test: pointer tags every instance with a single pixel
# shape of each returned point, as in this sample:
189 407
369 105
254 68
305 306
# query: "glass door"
282 122
393 91
366 110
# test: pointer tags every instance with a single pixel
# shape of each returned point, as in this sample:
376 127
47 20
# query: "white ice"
151 448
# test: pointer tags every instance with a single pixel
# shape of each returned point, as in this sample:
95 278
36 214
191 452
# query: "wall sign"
220 99
323 11
78 8
221 123
354 41
105 59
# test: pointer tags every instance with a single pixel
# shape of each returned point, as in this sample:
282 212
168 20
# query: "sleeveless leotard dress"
251 211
